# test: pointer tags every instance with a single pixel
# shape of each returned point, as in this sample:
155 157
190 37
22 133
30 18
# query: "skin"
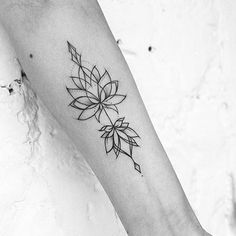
149 204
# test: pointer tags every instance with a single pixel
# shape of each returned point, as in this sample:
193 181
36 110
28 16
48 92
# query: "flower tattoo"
113 134
95 95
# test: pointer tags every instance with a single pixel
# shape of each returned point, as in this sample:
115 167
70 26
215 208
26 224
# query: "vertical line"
108 116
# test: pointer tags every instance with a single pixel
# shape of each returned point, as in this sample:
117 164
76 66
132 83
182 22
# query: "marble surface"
183 57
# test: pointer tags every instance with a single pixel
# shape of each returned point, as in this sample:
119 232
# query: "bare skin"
149 201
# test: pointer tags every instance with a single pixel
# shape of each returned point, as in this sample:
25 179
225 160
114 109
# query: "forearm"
149 203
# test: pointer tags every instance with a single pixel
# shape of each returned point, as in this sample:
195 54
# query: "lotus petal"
119 122
104 79
110 89
123 135
131 133
81 106
88 113
95 74
106 128
108 144
98 114
114 100
123 126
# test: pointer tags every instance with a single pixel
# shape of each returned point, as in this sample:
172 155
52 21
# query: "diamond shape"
137 167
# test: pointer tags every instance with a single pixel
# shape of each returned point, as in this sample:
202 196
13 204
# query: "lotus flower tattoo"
95 95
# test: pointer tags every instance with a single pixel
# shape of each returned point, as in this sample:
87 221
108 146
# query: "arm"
75 66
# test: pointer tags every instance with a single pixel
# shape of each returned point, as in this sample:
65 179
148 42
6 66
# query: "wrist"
160 230
161 223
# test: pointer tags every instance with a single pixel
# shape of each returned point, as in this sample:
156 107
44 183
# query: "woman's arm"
76 68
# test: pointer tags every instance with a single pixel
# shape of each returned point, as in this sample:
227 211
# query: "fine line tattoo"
95 95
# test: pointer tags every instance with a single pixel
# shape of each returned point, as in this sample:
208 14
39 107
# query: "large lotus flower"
94 93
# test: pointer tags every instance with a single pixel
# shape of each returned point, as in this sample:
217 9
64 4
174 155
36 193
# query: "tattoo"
95 95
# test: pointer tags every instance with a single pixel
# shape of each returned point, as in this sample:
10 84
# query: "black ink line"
108 116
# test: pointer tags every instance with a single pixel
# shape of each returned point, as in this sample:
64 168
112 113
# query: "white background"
188 84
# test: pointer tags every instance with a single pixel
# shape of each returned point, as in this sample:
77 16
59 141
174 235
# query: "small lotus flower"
120 138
